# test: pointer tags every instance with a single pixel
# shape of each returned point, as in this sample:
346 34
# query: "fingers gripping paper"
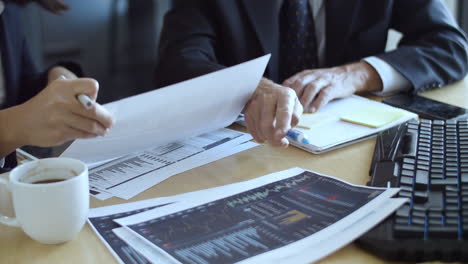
173 113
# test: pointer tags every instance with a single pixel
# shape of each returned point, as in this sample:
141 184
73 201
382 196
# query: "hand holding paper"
176 112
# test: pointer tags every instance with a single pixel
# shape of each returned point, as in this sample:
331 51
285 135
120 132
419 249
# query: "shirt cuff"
392 81
2 162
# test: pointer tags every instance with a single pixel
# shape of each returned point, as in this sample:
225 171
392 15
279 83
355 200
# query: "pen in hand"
82 98
297 136
85 101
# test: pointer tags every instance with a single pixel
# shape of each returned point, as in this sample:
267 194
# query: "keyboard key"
451 169
464 178
422 180
420 196
409 231
435 215
425 145
452 208
450 190
407 173
436 201
452 214
452 221
453 146
451 155
401 220
451 193
405 194
405 180
406 188
451 200
451 164
422 153
450 232
439 184
417 212
409 161
424 162
418 220
423 167
403 211
425 141
438 147
408 166
437 176
438 123
451 174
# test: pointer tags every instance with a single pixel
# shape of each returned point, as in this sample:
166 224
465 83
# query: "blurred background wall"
116 40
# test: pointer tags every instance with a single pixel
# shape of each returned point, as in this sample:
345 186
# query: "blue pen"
298 136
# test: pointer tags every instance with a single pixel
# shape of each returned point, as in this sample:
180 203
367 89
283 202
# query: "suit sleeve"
188 44
32 81
433 50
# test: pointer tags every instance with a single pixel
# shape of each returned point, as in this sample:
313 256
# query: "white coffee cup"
54 212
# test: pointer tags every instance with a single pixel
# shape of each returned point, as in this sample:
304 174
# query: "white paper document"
281 215
132 174
176 112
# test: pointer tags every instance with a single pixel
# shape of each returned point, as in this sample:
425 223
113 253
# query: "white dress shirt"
392 80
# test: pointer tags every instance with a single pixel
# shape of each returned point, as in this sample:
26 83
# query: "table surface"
350 163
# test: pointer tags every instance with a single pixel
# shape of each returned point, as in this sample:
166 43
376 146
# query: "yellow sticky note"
372 117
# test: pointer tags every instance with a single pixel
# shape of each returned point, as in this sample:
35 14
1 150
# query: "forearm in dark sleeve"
433 50
188 45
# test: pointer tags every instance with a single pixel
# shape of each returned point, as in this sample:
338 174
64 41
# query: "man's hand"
271 113
55 116
316 88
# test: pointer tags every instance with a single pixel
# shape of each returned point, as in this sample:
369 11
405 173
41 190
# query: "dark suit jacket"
201 36
22 77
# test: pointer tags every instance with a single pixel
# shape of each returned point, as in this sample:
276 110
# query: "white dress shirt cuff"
393 81
2 162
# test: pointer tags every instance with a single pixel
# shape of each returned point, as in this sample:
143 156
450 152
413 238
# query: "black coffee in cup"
47 181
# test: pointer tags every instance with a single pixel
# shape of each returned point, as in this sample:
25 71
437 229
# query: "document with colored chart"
279 218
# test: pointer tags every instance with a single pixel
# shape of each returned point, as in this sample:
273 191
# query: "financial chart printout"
255 221
104 226
128 176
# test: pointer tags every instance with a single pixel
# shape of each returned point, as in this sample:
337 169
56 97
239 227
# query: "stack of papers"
168 131
132 174
294 216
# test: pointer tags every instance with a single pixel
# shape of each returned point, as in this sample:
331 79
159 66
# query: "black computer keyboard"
428 160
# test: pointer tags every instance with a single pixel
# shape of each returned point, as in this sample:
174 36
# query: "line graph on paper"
256 221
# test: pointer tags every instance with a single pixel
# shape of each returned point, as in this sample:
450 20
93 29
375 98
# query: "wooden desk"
350 163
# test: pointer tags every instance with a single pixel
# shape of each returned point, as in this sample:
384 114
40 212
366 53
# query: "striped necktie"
298 48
